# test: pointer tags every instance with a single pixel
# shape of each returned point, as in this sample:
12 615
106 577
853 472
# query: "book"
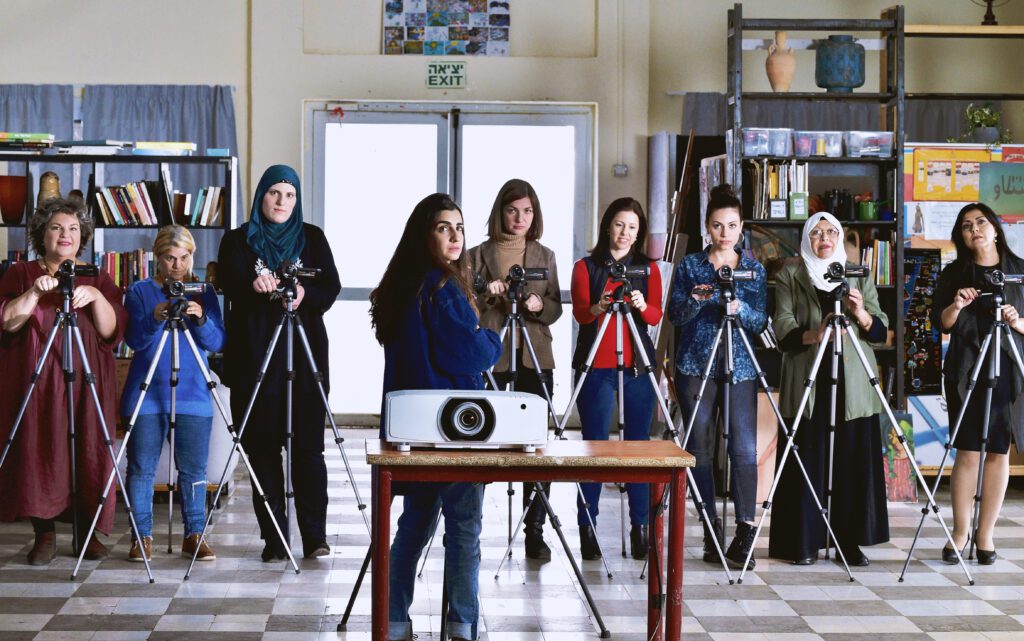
166 145
95 142
90 151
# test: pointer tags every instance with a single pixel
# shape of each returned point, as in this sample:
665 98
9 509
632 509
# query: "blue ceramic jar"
839 64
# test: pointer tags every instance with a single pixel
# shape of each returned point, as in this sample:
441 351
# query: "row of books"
205 210
125 268
105 147
127 205
19 140
779 189
878 257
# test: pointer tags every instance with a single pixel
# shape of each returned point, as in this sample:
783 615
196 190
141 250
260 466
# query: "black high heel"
949 554
986 557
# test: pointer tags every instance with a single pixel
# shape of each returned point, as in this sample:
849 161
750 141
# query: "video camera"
998 279
619 271
68 271
179 289
519 274
838 273
289 274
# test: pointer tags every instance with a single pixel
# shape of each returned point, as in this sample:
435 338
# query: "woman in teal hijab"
248 272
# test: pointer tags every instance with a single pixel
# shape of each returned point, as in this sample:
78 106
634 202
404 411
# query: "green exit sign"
446 75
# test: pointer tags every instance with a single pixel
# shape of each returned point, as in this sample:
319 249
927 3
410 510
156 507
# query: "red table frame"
659 463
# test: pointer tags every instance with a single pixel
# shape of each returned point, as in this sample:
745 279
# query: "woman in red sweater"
621 240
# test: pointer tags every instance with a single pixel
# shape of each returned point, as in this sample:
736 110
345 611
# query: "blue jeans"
191 449
596 404
462 506
742 439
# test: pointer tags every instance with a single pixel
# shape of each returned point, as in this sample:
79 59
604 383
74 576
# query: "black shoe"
316 551
856 558
949 555
273 551
710 554
638 542
986 557
807 560
536 548
740 547
588 544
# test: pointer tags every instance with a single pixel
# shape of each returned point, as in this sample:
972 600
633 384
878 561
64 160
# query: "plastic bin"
868 143
803 143
755 141
780 142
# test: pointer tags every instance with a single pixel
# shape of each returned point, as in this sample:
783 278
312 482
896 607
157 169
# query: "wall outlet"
620 169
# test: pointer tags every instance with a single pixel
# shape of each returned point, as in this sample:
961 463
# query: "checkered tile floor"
239 597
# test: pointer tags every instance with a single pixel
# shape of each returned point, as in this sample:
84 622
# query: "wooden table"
659 463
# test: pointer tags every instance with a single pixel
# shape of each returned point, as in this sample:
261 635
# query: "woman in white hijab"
804 303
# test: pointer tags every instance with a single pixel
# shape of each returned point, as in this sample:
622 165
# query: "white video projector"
466 419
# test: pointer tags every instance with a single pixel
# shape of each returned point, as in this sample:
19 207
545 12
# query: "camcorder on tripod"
68 271
289 274
838 273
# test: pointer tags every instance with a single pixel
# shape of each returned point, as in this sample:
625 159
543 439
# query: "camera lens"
467 419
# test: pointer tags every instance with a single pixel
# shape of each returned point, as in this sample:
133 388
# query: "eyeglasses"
818 234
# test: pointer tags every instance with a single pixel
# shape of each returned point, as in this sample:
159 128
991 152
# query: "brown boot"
44 549
94 550
138 550
193 541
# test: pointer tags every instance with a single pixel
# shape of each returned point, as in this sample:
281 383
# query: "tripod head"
289 274
838 273
619 272
177 293
68 271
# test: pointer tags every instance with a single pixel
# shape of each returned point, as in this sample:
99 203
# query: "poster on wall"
922 340
446 27
1002 189
948 174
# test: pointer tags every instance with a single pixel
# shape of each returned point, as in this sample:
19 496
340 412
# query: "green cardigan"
797 307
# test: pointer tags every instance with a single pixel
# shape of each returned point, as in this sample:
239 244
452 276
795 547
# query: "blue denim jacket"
699 319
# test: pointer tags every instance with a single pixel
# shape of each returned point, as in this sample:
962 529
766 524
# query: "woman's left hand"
84 295
1011 316
533 303
734 306
194 309
637 299
855 301
300 292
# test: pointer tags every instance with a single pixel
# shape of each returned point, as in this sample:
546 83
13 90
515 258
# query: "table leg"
676 527
655 566
381 541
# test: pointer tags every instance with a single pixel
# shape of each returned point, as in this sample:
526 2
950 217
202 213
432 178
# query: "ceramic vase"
839 64
780 64
985 135
13 190
49 187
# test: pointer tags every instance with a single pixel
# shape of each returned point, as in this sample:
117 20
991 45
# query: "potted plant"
983 125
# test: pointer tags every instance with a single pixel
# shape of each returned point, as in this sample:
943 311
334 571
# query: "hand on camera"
84 295
964 297
194 309
497 287
1011 316
300 293
602 305
265 283
855 301
533 303
637 299
160 311
45 284
702 292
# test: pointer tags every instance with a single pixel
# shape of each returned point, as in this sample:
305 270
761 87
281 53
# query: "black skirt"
859 513
969 436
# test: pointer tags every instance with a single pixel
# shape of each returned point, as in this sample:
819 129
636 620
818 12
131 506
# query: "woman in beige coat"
514 230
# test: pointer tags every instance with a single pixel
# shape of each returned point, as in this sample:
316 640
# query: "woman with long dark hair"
696 308
514 231
423 314
960 310
623 233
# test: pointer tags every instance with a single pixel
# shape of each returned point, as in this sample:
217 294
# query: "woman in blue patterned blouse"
695 307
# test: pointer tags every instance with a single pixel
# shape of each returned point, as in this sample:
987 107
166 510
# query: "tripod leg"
837 341
90 381
621 406
236 439
990 385
971 384
894 425
69 386
355 589
318 376
289 433
582 375
171 461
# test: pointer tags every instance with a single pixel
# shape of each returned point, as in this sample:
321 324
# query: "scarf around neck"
276 242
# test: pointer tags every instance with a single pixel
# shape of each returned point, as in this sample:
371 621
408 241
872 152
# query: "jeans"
191 449
742 439
462 506
596 404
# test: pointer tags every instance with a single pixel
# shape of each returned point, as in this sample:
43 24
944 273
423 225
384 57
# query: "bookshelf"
882 175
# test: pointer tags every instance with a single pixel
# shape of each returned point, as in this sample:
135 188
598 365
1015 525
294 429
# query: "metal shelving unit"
887 173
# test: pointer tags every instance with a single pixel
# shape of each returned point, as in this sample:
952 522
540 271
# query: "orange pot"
12 198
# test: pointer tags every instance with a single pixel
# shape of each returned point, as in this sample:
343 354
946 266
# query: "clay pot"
780 64
839 64
49 187
13 191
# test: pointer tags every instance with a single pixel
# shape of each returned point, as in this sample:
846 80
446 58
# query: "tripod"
990 348
67 320
290 319
838 324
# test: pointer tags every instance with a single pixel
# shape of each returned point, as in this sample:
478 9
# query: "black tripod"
290 273
990 347
67 320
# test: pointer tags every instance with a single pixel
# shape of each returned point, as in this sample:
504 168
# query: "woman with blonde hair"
149 305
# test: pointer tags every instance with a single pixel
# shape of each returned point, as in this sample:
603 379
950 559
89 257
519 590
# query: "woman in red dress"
35 479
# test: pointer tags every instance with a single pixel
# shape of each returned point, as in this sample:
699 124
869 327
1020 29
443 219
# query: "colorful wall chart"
446 27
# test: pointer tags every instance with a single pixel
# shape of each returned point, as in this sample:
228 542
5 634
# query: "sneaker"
137 551
193 541
317 551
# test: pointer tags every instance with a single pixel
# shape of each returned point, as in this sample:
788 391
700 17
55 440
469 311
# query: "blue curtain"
201 114
39 109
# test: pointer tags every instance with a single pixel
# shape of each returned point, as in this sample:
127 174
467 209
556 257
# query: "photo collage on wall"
447 27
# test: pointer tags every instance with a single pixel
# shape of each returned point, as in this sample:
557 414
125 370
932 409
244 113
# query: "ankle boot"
535 546
588 544
740 547
44 549
716 530
638 542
